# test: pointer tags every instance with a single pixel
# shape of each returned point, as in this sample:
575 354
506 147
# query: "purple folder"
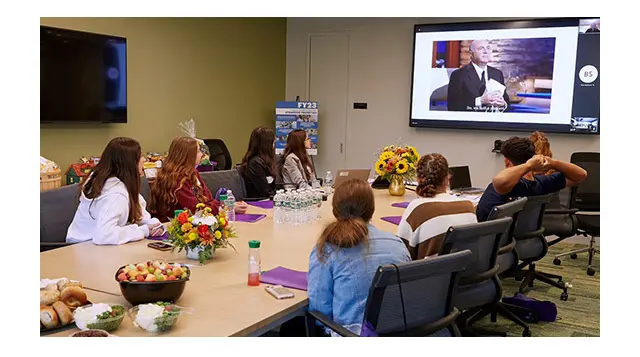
401 204
165 236
392 219
286 277
262 204
249 217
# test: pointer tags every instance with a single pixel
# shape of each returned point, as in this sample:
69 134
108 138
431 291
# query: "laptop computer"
461 180
346 175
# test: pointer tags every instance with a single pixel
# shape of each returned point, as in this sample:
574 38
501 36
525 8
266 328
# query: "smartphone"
279 292
160 246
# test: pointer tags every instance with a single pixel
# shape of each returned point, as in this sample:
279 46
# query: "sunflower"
380 167
386 155
402 166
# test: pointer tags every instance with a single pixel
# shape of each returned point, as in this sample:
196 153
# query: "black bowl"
142 292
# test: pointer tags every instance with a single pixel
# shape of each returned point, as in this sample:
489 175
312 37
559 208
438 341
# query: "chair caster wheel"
557 261
574 256
564 296
591 272
526 333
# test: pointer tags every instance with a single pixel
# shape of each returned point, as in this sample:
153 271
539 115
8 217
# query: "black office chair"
585 198
479 290
531 245
559 220
219 154
57 208
145 189
229 179
409 299
507 255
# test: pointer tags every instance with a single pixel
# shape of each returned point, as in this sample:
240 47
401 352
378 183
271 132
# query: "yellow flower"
385 148
190 219
402 167
190 237
222 221
200 205
208 209
186 227
411 165
380 167
386 155
218 234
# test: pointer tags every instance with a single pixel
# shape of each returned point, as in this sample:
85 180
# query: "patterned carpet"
578 316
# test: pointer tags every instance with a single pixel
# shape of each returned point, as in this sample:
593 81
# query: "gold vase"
396 188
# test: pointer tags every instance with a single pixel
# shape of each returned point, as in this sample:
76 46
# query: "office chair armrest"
336 327
507 248
536 234
560 211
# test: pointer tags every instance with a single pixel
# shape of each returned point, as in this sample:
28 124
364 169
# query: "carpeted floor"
578 316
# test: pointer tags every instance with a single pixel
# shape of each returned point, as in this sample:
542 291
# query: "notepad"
392 219
286 277
401 204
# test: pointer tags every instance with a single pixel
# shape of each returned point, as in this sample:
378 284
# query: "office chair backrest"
427 285
230 179
510 209
145 189
279 166
529 220
57 208
586 195
219 154
483 240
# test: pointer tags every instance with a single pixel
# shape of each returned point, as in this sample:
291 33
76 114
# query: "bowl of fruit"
152 281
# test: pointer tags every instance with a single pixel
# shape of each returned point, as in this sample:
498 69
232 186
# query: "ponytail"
343 233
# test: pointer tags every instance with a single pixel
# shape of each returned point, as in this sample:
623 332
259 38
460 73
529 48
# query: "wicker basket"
50 180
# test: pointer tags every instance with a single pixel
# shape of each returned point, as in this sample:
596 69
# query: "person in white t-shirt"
111 209
427 218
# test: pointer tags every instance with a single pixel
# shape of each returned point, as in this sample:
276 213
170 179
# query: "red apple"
171 277
139 278
122 277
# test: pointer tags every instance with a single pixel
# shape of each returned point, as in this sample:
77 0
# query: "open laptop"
346 175
461 180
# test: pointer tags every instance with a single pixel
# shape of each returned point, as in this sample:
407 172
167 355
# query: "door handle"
341 145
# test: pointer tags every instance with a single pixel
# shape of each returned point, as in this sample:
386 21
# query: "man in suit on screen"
468 85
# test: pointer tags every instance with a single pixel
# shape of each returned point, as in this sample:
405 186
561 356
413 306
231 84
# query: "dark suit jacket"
465 86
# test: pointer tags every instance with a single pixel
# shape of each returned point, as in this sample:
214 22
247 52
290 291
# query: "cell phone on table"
160 246
279 292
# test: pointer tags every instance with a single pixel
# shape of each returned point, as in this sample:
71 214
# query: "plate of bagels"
58 299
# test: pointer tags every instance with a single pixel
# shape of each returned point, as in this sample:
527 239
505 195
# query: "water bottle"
278 207
318 204
287 207
231 206
328 182
295 208
255 263
307 206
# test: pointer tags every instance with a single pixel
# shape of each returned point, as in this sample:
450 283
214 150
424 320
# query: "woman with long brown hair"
111 209
347 254
543 147
178 184
427 218
297 171
258 166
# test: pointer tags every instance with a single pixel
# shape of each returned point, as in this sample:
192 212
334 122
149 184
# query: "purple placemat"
262 204
286 277
401 204
392 219
249 217
165 236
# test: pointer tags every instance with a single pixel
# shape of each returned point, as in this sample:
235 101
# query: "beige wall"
380 60
227 74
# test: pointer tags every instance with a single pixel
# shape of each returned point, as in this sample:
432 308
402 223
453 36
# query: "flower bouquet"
397 164
200 233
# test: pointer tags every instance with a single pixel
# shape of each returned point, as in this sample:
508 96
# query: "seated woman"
427 219
258 167
297 171
347 254
111 209
178 184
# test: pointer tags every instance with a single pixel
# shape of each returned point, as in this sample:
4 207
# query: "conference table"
222 302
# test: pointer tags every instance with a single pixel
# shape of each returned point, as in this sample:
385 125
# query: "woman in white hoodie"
111 209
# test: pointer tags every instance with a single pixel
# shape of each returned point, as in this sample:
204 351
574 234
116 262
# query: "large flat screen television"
524 75
83 77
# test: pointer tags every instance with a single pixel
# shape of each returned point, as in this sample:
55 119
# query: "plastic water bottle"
287 207
231 206
296 204
318 204
278 207
307 200
328 182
